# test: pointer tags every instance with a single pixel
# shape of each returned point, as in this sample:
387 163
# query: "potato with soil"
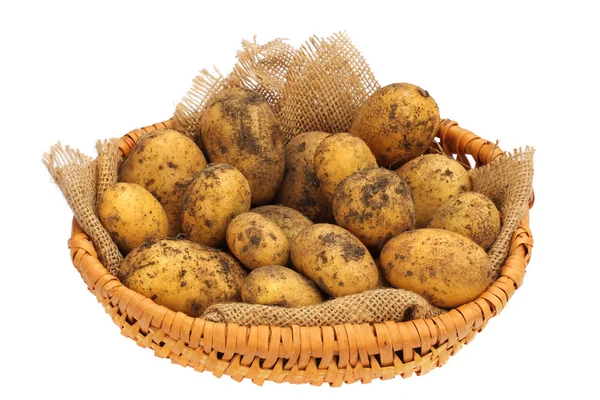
289 220
239 128
334 259
131 215
470 214
164 162
433 179
256 241
182 275
339 156
301 189
217 194
275 285
375 205
398 122
444 267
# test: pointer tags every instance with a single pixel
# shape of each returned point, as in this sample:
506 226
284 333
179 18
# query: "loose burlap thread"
320 87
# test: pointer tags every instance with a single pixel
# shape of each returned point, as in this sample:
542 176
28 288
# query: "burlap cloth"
318 87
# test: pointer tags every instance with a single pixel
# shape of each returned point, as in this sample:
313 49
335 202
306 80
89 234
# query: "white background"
525 73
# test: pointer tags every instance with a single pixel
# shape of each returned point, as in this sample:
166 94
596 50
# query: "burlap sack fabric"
318 87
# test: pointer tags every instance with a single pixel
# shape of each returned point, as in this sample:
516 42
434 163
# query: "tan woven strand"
107 165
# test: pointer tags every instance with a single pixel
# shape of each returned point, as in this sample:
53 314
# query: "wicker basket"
316 354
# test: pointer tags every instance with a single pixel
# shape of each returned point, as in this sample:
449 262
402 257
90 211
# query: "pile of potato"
327 215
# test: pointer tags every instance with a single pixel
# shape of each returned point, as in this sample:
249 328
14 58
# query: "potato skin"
182 275
339 156
334 259
398 122
444 267
131 215
301 189
433 179
279 286
164 162
470 214
289 220
239 128
375 205
256 241
216 195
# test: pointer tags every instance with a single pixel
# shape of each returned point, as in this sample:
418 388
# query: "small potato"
164 162
239 128
216 195
274 285
444 267
339 156
301 189
289 220
472 215
334 259
256 241
433 179
398 122
375 205
182 275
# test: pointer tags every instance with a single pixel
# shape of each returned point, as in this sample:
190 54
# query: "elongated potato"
334 259
433 179
164 162
132 216
239 128
279 286
216 195
182 275
289 220
444 267
398 122
301 189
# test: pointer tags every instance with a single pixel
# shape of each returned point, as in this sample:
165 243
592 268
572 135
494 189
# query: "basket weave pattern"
316 354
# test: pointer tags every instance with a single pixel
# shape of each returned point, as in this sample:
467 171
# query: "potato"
444 267
301 189
381 282
339 156
256 241
182 275
375 205
216 195
289 220
131 215
398 122
163 162
334 259
274 285
472 215
433 179
239 128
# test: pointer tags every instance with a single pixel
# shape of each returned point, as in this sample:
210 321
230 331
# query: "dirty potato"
275 285
339 156
182 275
256 241
375 205
433 179
216 195
472 215
239 128
444 267
289 220
164 162
334 259
131 215
398 122
301 189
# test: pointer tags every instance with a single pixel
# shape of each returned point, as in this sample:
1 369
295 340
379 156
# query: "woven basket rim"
313 352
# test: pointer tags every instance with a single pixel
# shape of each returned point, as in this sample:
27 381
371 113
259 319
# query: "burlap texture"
373 306
107 164
76 176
